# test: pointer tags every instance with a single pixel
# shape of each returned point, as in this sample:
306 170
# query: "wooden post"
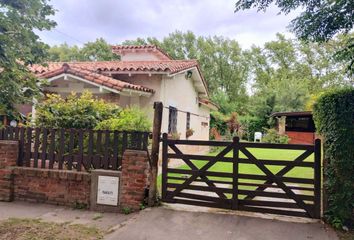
156 133
236 147
317 175
164 166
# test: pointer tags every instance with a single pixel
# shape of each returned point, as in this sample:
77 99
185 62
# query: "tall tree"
319 21
64 53
99 50
19 47
292 71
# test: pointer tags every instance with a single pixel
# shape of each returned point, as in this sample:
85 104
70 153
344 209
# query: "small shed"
299 126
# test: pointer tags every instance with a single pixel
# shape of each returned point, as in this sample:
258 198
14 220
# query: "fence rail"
272 188
73 148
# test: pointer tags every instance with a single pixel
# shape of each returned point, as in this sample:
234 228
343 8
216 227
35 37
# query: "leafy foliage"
272 136
86 112
19 47
319 20
218 121
74 112
333 115
98 50
129 119
233 124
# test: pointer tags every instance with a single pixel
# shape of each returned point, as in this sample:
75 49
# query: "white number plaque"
107 192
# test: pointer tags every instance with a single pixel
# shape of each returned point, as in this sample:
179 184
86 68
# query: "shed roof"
292 114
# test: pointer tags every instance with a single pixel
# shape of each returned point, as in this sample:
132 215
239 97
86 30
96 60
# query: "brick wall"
66 187
301 137
8 158
60 187
135 178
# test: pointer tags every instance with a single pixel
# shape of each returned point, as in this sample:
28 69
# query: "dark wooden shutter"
172 120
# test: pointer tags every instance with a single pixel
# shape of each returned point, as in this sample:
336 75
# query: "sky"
80 21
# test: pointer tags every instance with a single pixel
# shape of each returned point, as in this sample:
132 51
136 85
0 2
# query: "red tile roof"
167 66
161 66
89 75
128 48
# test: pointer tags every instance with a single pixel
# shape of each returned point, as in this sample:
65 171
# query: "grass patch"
33 229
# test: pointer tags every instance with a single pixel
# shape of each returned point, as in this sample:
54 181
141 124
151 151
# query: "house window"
188 120
172 120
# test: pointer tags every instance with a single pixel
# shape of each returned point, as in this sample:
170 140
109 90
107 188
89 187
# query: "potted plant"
189 132
174 136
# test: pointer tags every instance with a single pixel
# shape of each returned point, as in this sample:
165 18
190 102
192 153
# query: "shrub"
129 119
334 115
250 125
233 124
218 121
272 136
73 112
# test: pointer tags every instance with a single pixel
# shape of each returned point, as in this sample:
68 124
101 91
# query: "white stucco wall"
145 103
139 56
180 93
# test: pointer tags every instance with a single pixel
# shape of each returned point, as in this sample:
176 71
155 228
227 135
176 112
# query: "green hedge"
334 118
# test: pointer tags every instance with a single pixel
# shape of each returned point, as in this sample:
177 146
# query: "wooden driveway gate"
237 178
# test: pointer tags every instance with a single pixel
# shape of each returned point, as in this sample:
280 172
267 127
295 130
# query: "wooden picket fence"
73 148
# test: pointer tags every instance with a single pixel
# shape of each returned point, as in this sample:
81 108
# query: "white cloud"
118 20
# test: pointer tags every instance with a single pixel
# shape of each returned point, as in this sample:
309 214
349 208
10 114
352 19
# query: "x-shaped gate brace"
200 172
273 178
282 172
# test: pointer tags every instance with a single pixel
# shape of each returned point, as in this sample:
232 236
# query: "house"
298 126
144 74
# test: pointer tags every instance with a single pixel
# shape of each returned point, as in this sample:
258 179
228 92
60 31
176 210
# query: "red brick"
134 178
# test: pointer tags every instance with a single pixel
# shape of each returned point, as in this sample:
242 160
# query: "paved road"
166 224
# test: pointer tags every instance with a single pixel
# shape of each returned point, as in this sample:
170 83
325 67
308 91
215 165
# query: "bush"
129 119
333 115
74 112
272 136
250 125
218 121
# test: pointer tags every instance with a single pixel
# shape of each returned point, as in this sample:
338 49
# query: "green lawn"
266 154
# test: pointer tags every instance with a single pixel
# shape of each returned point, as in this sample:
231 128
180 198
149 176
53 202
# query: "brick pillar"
134 178
8 158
